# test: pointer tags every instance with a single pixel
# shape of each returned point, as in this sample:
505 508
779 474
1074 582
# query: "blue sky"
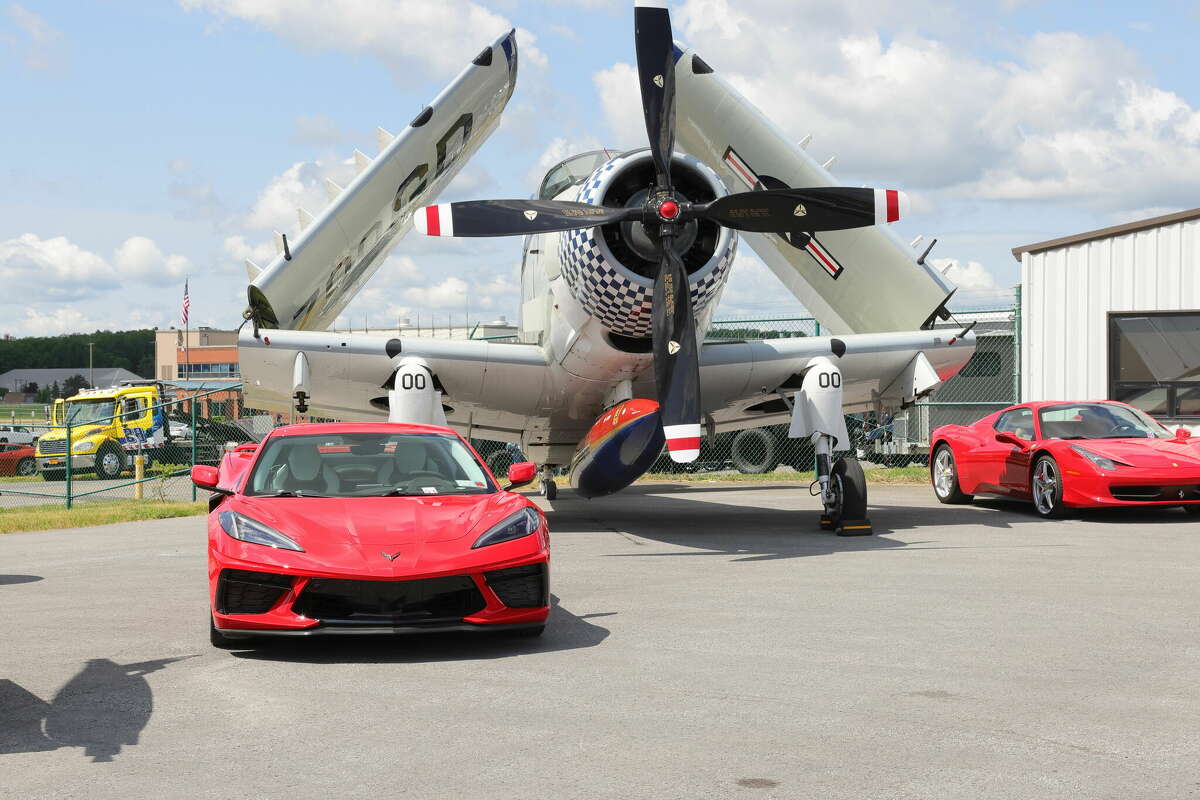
148 141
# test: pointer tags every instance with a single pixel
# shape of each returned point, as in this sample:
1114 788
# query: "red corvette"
351 528
1067 455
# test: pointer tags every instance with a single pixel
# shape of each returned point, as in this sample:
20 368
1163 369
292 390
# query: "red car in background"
17 459
349 528
1067 455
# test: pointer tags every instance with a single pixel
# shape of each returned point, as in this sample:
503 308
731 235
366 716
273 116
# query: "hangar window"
1154 362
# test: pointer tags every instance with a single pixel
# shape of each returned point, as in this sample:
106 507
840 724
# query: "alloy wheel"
943 473
1045 486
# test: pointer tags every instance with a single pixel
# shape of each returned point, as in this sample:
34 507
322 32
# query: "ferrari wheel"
1046 488
944 474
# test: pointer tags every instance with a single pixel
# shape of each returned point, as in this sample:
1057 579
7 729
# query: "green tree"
72 385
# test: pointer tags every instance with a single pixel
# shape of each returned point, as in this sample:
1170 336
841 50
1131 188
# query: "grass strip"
53 517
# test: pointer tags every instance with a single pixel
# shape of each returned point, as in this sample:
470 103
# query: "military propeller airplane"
625 258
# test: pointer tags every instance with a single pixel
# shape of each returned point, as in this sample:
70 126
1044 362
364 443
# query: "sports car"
347 528
1067 455
17 459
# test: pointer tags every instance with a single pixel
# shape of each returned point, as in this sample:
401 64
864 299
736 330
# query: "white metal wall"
1067 293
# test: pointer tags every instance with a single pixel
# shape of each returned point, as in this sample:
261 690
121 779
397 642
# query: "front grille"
52 447
242 592
521 587
1157 493
333 600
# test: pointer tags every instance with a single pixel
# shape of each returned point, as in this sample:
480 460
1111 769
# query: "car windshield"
367 465
83 412
1098 421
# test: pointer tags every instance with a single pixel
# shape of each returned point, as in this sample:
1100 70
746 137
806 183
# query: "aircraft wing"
863 280
306 287
490 389
743 380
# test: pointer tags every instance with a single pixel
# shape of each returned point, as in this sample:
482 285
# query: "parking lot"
707 641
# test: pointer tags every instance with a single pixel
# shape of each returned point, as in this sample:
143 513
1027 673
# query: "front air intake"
521 587
243 592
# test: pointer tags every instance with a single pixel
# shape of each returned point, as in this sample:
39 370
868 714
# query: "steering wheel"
421 479
1126 430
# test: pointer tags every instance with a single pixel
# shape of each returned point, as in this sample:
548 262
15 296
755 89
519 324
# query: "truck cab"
107 428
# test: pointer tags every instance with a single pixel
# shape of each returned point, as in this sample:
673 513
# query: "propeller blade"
805 210
676 358
476 218
656 75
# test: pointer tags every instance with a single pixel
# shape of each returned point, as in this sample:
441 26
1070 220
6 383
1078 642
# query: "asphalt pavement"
706 641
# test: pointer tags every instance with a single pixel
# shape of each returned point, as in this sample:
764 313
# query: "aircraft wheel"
754 451
549 489
849 485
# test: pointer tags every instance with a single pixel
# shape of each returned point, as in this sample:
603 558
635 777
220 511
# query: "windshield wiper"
286 493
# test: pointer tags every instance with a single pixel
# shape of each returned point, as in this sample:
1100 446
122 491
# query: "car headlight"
84 446
1097 459
244 529
523 523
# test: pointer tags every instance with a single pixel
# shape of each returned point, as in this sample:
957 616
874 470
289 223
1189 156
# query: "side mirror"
521 473
1183 433
1009 438
205 477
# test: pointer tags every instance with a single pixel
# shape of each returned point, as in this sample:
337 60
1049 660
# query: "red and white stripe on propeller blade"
890 205
683 442
434 220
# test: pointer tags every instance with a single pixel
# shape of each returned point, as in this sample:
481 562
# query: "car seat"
305 472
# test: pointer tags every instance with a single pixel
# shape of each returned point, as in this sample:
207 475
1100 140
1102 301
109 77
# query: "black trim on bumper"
375 630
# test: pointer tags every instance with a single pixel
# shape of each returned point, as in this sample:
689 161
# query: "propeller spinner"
676 353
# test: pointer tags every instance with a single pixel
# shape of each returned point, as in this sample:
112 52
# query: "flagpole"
187 361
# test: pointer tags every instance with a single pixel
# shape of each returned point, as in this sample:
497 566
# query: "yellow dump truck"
108 427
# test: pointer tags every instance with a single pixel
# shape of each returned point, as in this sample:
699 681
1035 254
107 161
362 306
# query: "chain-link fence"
137 442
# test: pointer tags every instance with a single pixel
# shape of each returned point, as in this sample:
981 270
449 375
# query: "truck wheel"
754 451
26 467
54 475
110 462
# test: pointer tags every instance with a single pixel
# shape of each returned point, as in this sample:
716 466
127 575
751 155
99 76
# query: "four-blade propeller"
676 353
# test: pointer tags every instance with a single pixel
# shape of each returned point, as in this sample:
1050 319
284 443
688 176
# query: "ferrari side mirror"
1183 433
520 474
1009 438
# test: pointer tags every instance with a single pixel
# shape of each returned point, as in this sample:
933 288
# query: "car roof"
318 428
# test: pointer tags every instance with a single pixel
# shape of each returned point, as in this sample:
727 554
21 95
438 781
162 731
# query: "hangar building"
1115 314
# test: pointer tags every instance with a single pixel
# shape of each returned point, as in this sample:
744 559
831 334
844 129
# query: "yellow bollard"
139 473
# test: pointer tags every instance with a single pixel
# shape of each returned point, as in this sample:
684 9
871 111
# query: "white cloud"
301 185
450 293
40 45
236 247
434 39
1069 117
316 129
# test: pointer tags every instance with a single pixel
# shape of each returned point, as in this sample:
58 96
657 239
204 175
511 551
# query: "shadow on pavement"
8 580
101 709
564 631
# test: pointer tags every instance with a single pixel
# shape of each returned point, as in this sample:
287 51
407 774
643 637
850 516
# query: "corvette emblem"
391 556
672 347
658 81
800 211
531 215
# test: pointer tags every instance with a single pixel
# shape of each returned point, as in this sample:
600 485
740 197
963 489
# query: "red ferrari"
350 528
17 459
1067 455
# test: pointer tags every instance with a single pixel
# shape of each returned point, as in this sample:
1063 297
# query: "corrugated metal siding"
1067 293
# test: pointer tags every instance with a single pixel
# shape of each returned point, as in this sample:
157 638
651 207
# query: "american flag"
186 302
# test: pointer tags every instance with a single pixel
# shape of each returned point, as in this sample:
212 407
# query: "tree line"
131 350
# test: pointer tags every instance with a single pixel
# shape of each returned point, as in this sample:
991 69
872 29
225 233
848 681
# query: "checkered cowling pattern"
618 299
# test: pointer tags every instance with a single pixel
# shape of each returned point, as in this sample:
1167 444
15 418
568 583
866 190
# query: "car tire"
1046 488
945 467
54 475
754 451
26 467
110 463
851 485
220 640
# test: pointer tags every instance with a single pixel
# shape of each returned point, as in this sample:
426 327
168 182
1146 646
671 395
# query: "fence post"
193 404
1017 345
67 459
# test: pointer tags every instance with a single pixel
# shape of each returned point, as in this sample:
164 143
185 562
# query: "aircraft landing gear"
549 489
843 492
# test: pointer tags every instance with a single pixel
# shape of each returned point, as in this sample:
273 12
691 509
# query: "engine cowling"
611 269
